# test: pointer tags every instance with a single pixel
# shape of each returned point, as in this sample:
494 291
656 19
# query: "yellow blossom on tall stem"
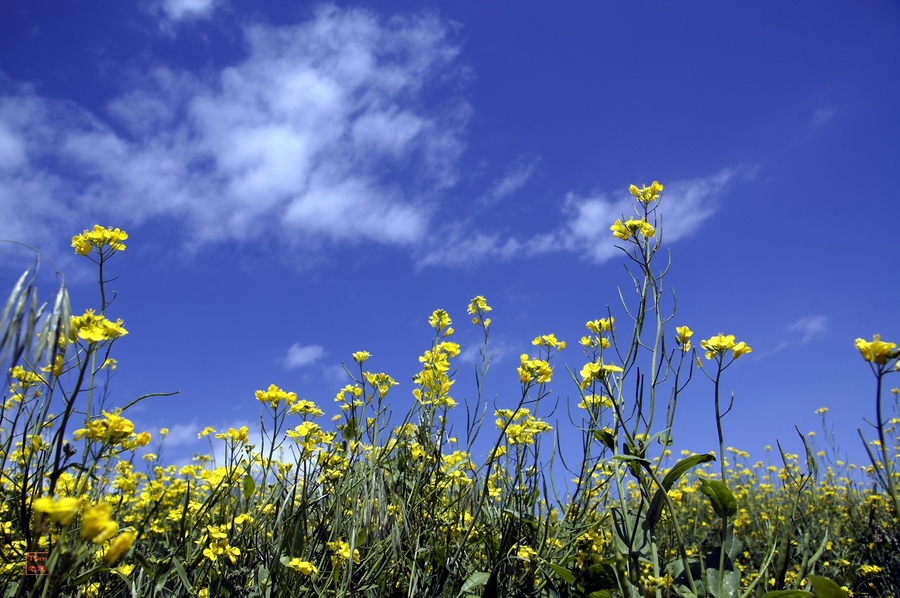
647 194
876 350
100 238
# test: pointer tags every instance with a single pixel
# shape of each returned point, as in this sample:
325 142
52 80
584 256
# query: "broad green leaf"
654 512
476 580
825 588
566 575
730 586
723 502
249 486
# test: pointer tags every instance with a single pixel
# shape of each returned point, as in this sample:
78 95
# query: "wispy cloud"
308 135
822 116
586 221
299 355
809 327
513 180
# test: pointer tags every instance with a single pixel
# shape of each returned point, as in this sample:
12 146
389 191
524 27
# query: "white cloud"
512 181
308 136
809 327
184 10
685 206
298 355
181 435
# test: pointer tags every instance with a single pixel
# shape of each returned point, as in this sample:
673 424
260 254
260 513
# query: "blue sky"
300 181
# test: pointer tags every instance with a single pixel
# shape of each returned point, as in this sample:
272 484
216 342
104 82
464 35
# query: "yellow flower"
94 329
274 396
361 356
99 237
96 524
302 567
61 511
720 343
647 194
341 552
56 368
549 341
683 337
877 351
119 546
631 228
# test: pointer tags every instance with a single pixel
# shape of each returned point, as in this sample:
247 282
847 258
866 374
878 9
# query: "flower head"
631 228
683 337
100 238
94 329
720 344
647 194
61 511
876 350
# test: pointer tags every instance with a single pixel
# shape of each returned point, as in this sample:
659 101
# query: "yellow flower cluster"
521 426
302 567
341 552
721 344
549 341
534 370
647 194
631 228
274 396
683 336
596 370
478 307
380 382
217 545
99 237
440 321
877 351
93 328
113 429
434 380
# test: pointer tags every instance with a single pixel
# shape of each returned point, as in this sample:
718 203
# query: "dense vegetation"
371 507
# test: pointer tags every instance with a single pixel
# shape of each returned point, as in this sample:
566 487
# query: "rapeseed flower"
60 511
93 328
302 567
96 524
647 194
876 350
119 546
100 238
720 344
631 228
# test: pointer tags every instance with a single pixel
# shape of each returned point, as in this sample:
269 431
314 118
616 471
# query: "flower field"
342 499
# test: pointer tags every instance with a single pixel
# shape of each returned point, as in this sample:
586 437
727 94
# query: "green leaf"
179 568
566 575
723 502
476 580
249 486
654 512
787 594
606 438
731 582
825 588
